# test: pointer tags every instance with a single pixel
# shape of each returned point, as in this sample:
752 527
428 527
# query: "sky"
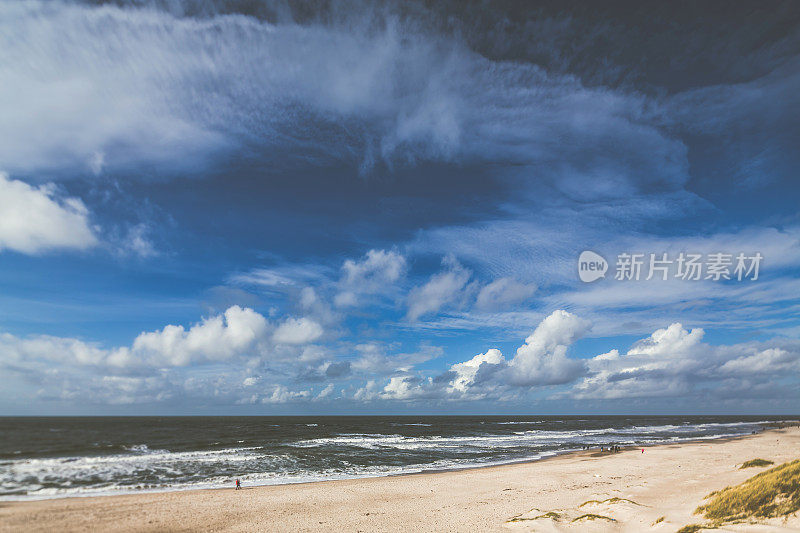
240 207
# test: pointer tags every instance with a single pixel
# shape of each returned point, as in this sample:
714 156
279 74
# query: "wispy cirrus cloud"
372 90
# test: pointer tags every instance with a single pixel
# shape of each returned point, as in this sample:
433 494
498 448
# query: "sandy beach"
635 489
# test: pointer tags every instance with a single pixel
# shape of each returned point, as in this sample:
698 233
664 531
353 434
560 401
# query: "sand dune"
586 491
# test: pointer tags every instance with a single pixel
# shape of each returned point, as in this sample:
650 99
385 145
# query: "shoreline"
549 456
668 480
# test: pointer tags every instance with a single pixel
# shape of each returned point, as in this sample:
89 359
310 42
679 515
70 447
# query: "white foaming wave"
31 474
141 448
627 435
148 458
687 428
733 424
271 478
376 441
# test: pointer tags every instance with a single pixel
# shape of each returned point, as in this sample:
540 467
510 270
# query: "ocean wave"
142 467
518 439
39 492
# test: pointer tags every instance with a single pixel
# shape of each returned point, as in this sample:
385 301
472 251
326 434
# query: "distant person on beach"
642 450
238 485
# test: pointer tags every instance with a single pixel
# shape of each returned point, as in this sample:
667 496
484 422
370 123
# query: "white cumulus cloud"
34 220
543 360
468 370
214 339
298 331
674 361
376 273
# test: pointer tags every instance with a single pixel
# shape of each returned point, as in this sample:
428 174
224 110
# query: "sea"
42 457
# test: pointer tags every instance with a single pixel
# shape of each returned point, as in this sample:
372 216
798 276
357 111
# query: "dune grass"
592 516
772 493
691 528
658 520
615 499
552 515
755 462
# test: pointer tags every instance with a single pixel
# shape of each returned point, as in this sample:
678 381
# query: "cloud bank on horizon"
227 355
217 206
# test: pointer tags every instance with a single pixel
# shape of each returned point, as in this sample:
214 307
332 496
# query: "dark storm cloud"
545 102
338 370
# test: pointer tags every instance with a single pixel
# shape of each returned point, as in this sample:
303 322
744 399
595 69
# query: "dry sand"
668 481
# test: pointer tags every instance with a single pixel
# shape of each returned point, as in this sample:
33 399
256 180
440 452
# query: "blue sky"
337 207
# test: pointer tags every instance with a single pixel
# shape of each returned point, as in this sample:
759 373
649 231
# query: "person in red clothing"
238 485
